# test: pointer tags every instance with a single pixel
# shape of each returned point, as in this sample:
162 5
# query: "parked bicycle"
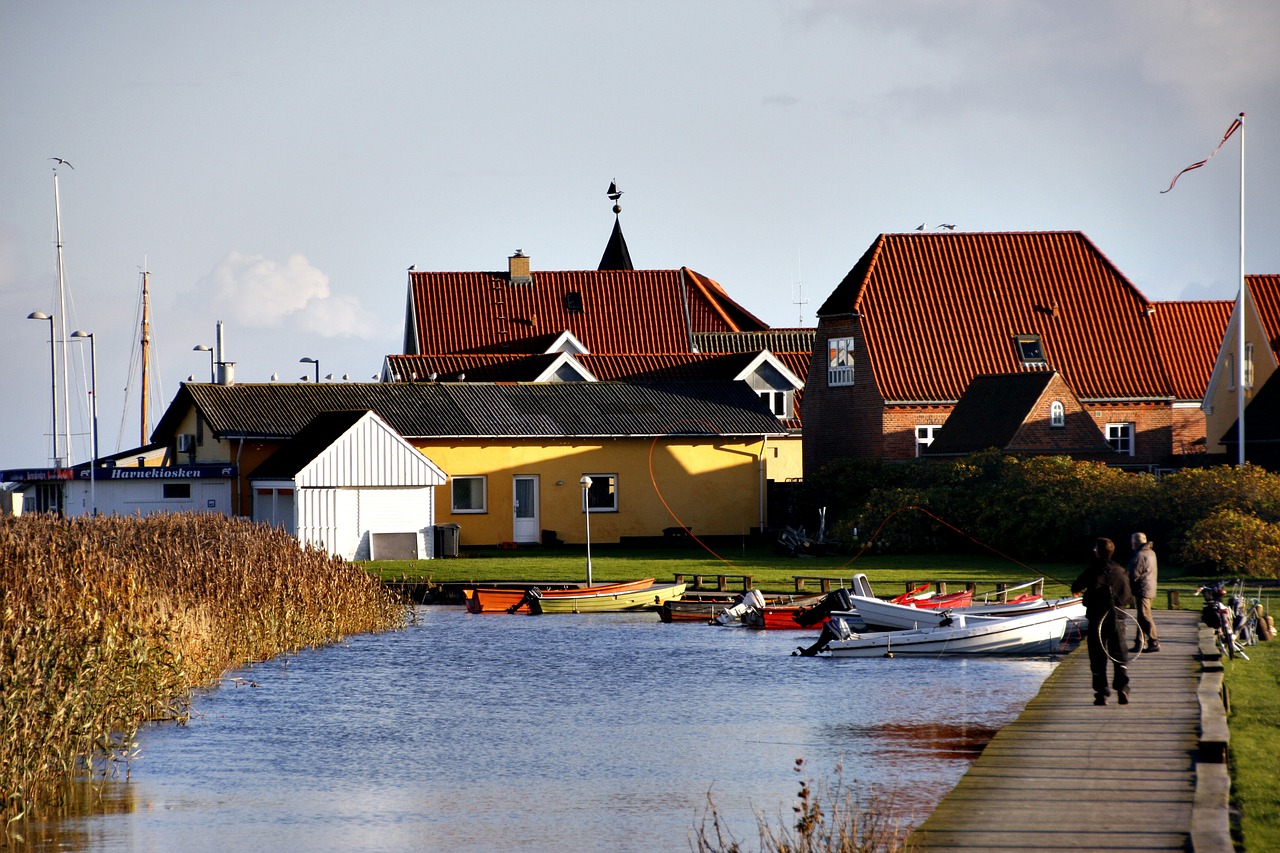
1224 612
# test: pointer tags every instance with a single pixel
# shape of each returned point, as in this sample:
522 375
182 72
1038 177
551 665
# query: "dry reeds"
108 622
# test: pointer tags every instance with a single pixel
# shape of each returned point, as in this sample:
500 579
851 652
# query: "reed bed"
109 622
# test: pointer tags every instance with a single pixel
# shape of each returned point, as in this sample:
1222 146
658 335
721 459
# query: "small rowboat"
584 601
935 602
483 599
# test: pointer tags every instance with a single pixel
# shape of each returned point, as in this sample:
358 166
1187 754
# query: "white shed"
350 484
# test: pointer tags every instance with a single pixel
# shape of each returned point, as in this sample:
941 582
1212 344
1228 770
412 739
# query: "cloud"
260 292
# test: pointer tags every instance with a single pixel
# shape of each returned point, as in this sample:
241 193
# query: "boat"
482 599
1038 633
878 613
749 604
932 601
585 601
808 614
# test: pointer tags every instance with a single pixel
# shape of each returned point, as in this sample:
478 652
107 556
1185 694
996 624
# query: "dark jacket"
1142 572
1105 585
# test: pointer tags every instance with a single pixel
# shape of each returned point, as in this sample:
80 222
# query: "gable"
938 309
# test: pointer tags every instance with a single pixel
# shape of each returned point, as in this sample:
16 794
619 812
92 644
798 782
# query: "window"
1057 414
840 361
602 494
1248 366
573 302
925 434
779 402
1120 437
1233 372
470 494
177 491
1030 350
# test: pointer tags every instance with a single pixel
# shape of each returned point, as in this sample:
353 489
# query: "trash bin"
447 540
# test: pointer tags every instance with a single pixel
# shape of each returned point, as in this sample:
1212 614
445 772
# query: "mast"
146 352
58 458
1243 294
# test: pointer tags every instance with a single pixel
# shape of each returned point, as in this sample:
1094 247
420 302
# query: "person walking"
1142 581
1106 591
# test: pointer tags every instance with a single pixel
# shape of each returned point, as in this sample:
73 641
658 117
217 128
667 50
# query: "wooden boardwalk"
1070 775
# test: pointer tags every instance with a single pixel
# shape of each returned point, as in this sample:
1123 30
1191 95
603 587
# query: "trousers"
1145 623
1106 645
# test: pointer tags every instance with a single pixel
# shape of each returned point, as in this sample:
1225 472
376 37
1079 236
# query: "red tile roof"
939 309
610 311
1189 335
1265 290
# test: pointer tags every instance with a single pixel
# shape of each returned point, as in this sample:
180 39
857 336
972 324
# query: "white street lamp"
93 369
586 510
208 349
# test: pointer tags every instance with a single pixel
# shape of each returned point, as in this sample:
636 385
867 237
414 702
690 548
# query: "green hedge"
1219 519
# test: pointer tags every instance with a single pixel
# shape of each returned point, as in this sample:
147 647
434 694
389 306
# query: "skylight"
1030 351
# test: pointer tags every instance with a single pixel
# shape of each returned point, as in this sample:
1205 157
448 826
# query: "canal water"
496 732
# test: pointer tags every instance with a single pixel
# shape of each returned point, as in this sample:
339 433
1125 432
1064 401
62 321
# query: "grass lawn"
1254 687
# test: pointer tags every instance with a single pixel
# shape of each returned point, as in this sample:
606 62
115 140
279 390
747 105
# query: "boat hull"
878 613
651 598
1032 634
502 599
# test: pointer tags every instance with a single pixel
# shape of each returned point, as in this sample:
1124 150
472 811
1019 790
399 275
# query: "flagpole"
1244 292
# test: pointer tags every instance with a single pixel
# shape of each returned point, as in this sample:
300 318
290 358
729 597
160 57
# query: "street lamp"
53 373
93 370
203 348
306 359
586 510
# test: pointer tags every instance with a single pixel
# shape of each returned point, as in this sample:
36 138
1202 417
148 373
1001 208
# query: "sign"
154 472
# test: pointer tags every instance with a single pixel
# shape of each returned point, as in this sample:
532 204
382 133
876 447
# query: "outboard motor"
834 629
837 599
531 595
748 601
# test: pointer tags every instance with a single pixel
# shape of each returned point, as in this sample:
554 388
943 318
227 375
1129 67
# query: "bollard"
1175 599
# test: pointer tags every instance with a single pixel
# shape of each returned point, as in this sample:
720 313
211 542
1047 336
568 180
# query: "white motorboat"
878 613
1043 632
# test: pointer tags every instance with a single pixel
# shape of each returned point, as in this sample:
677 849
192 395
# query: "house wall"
727 499
145 497
900 424
1188 428
844 421
341 520
784 458
1153 430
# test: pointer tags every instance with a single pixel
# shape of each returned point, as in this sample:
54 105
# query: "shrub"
1229 542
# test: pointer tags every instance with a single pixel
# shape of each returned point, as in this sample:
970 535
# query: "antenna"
799 300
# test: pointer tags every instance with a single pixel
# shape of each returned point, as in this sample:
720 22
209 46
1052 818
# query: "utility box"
447 540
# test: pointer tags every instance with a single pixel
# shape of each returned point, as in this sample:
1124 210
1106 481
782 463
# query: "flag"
1235 125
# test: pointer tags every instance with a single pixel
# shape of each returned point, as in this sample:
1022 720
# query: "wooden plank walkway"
1070 775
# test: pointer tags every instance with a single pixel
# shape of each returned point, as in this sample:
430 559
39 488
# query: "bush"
1234 543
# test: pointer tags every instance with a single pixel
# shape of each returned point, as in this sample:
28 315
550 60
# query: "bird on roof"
434 376
948 227
62 162
412 267
921 227
614 193
275 377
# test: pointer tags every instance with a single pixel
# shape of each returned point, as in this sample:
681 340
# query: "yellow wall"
1223 408
711 486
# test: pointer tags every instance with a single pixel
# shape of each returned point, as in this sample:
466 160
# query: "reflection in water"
541 733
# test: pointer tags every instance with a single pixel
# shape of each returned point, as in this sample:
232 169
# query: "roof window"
1030 351
573 302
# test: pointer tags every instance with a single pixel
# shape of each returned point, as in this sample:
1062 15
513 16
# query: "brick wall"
844 421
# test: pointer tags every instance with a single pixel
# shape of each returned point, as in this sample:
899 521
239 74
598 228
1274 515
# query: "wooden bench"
826 582
722 581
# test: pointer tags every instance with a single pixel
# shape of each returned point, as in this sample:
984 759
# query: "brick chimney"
518 268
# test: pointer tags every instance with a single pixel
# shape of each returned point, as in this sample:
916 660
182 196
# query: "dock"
1070 775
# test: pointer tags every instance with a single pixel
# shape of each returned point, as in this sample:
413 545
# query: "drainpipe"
763 481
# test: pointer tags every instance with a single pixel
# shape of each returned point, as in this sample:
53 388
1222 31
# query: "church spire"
616 256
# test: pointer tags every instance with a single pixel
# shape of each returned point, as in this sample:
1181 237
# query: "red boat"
919 598
483 599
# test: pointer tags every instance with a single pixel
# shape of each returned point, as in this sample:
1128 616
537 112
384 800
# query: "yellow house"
1260 301
659 455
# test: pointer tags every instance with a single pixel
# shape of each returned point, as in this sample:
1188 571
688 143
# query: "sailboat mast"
59 459
146 353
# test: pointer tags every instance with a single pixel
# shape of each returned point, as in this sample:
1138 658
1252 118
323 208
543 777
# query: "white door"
525 527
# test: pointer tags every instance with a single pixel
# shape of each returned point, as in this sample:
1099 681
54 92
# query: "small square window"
1120 437
602 494
1030 350
177 491
925 434
573 302
777 401
469 494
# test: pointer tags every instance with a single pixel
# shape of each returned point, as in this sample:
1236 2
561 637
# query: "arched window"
1057 414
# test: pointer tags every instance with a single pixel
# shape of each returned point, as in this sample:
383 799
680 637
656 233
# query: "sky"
278 166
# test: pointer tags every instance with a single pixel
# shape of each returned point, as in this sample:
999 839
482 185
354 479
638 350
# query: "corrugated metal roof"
937 309
610 311
776 341
534 410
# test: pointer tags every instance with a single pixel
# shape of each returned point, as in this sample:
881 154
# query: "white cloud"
260 292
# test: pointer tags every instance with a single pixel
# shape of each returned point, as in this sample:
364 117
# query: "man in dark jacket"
1106 591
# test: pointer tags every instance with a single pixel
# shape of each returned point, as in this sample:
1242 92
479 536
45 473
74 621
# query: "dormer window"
1030 350
573 302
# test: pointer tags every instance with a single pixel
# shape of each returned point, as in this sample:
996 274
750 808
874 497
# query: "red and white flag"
1235 125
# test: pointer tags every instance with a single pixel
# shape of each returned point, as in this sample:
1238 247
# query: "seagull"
614 193
462 377
948 227
412 267
434 376
921 227
62 162
275 377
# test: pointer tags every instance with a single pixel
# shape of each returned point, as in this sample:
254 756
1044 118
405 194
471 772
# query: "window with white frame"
1120 437
1057 414
1030 350
779 402
602 494
470 494
840 361
1248 365
925 434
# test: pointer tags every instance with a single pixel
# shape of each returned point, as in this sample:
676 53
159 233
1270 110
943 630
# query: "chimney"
518 268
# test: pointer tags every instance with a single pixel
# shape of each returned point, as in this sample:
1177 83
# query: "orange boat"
483 599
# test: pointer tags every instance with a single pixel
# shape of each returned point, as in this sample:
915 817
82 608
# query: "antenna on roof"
799 300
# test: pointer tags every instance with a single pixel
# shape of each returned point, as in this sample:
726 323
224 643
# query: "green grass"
1254 687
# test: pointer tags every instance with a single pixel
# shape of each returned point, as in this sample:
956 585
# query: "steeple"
616 256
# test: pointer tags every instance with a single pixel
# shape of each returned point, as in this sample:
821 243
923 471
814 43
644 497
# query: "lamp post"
586 510
93 370
53 374
203 348
306 359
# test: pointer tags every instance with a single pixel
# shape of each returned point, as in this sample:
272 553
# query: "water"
589 732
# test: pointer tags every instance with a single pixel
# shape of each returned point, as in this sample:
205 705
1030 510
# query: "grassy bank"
108 622
1254 687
